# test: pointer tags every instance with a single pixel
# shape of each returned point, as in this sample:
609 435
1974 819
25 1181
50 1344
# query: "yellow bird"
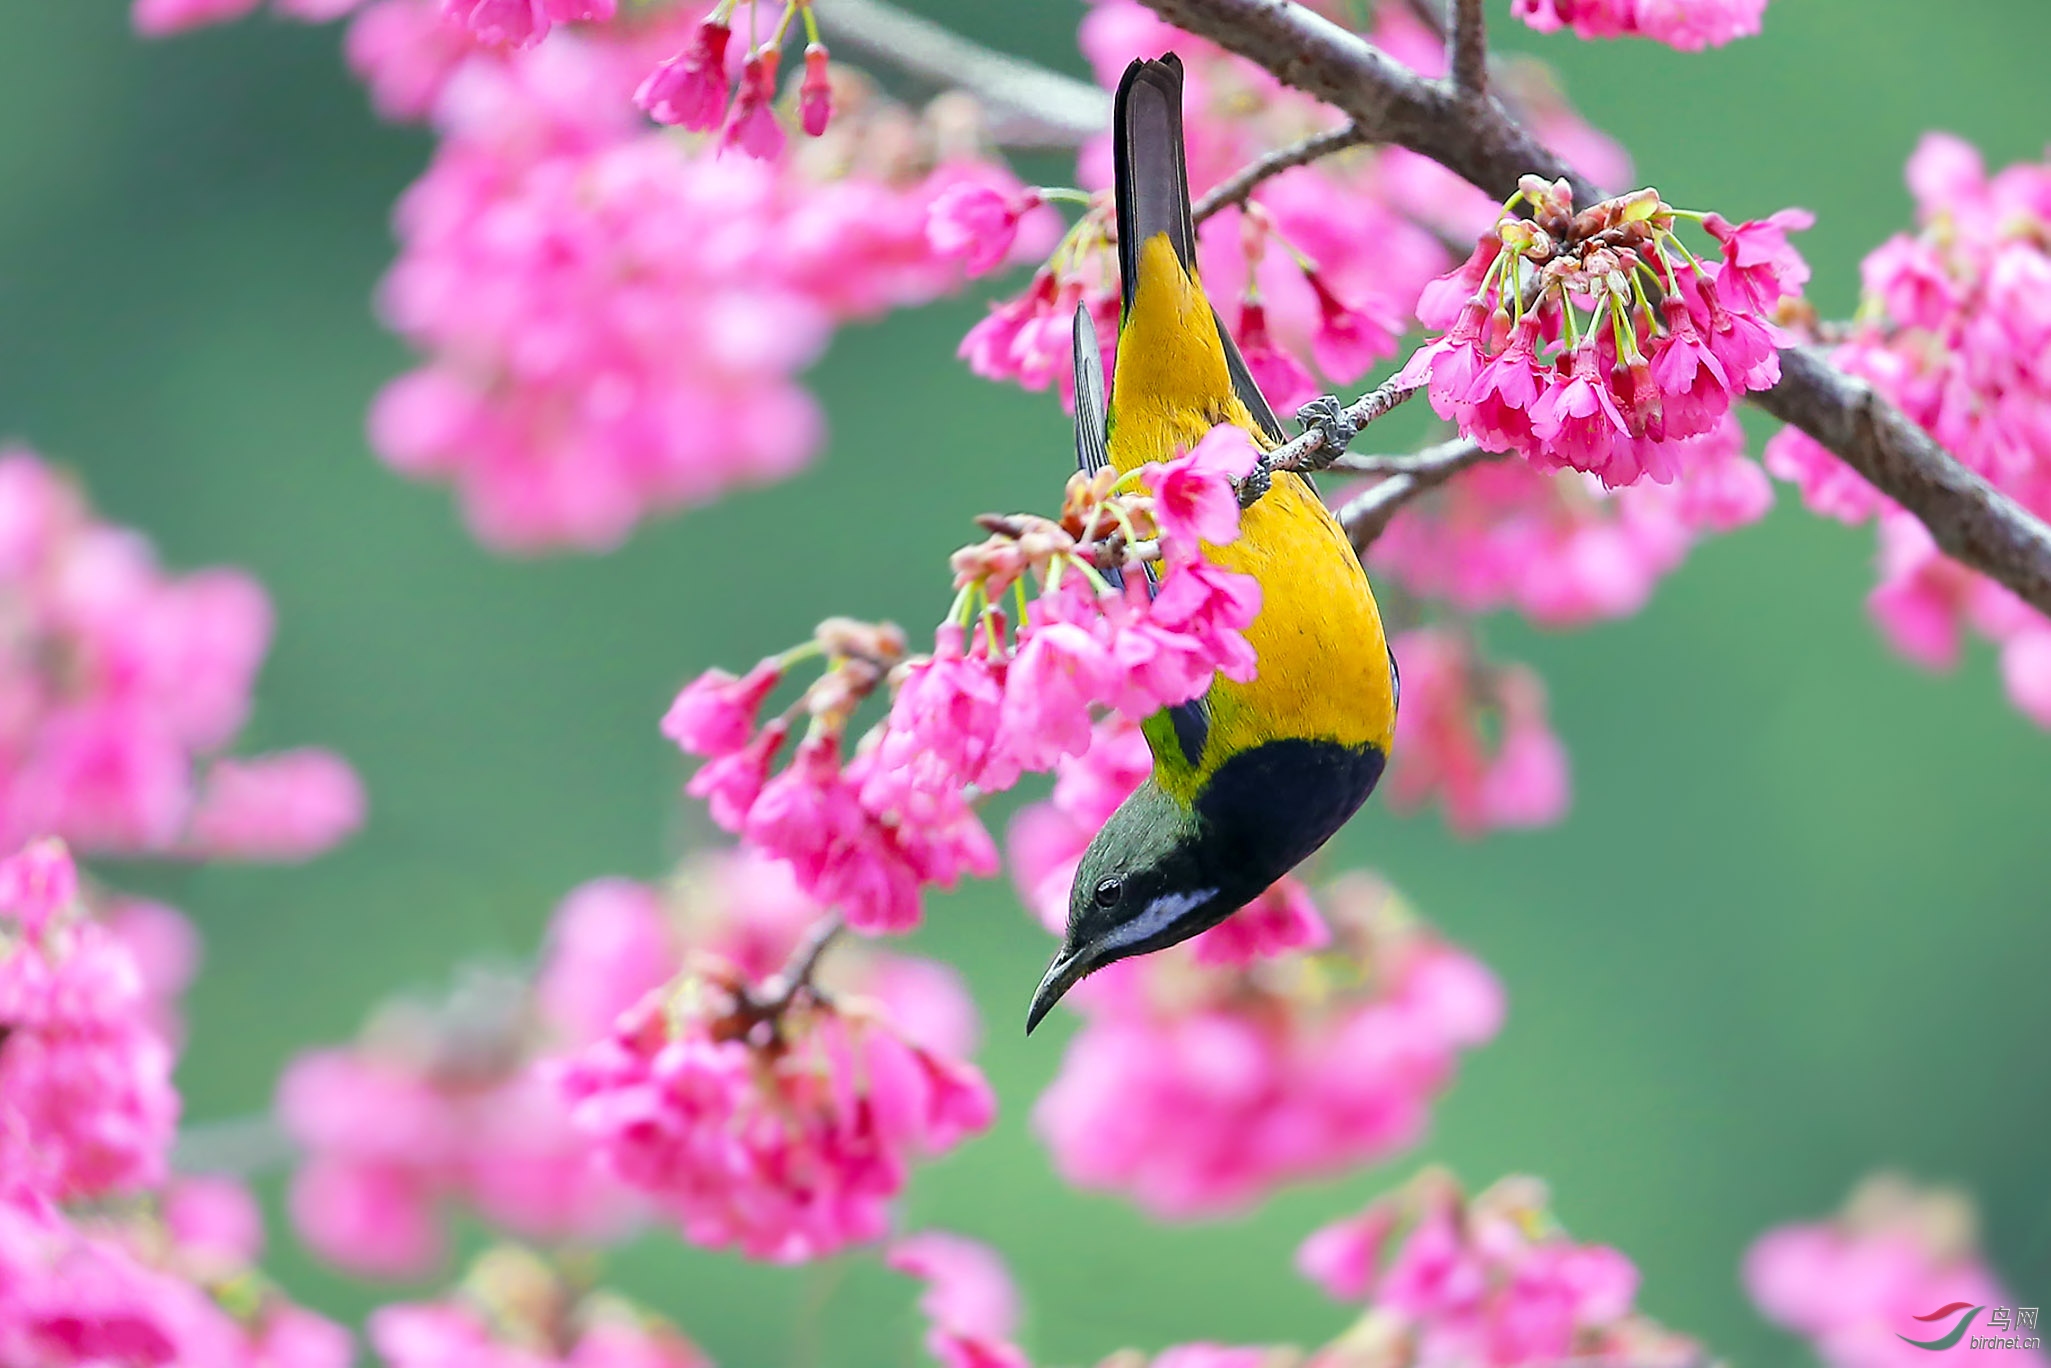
1252 778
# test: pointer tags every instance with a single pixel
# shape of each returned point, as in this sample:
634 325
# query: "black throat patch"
1270 807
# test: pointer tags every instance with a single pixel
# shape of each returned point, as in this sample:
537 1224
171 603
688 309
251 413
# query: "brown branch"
1235 191
1476 138
1029 106
1467 49
777 994
1366 515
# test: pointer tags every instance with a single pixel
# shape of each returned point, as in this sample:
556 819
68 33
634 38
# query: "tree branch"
1235 191
1467 49
1029 106
1476 138
776 995
1366 515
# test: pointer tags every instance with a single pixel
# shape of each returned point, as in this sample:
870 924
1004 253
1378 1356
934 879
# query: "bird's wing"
1092 448
1092 445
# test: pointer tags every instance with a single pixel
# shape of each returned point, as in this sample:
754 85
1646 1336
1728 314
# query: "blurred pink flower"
1205 1076
291 805
86 1103
117 681
1952 328
1689 25
786 1138
1489 1279
513 1309
1857 1286
1474 735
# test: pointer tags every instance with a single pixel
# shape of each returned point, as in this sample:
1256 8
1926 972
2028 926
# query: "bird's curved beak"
1063 974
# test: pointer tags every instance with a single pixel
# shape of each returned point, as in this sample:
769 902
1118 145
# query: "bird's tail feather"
1153 177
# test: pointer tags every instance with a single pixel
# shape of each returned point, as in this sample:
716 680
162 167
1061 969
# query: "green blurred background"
1794 928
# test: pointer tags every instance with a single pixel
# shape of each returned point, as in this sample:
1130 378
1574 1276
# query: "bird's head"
1153 875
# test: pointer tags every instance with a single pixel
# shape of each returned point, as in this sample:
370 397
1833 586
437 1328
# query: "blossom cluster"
1452 1280
1556 546
1854 1284
971 1309
461 1102
121 686
173 1283
1953 328
1554 348
778 1118
614 318
514 1309
436 1105
694 89
86 1104
989 703
1689 25
103 1258
1299 1038
1318 271
1474 736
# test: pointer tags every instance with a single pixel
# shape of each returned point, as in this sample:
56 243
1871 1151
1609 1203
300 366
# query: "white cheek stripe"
1157 916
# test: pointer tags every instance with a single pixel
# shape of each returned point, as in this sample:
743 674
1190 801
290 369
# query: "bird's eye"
1107 892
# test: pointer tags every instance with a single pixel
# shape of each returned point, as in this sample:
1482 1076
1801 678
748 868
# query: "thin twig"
238 1145
1970 520
1029 106
1467 49
1365 515
1311 451
1235 191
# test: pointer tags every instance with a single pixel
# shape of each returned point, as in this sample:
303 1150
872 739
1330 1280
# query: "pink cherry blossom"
1487 1279
1452 704
1952 319
977 224
126 1287
86 1104
1857 1285
787 1138
514 1309
158 18
291 805
522 23
1689 25
1207 1075
815 92
752 125
715 714
122 682
690 89
1630 392
970 1305
971 1311
437 1105
1559 548
1324 265
580 370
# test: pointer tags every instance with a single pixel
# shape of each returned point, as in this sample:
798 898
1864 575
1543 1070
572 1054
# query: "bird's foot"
1327 417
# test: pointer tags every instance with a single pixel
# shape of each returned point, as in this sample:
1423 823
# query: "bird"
1250 779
